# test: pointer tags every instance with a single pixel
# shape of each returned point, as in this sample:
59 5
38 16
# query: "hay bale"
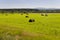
27 16
42 14
31 20
46 15
21 13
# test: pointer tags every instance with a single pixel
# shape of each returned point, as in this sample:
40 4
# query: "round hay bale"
42 14
46 15
27 16
21 13
31 20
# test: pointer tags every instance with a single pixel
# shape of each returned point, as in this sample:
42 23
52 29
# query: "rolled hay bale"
27 16
42 14
21 13
46 14
31 20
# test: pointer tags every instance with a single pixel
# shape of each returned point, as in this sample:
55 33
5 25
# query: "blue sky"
29 3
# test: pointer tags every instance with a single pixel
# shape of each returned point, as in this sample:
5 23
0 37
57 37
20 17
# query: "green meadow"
17 26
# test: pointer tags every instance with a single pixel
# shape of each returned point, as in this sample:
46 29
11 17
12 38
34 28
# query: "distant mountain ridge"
39 8
47 8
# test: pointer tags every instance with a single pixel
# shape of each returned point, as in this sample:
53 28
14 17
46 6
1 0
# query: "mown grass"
17 27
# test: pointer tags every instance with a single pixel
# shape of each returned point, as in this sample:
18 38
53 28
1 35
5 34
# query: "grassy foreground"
18 27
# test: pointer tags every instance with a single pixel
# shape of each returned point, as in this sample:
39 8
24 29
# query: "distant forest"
29 10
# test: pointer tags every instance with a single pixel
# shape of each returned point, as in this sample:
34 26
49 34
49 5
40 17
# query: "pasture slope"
17 27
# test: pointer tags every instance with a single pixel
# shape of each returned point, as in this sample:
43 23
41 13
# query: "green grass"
44 27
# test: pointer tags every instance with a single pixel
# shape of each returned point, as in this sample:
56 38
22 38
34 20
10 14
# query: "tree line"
29 11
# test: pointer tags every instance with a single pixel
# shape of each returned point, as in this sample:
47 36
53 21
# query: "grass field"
18 27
